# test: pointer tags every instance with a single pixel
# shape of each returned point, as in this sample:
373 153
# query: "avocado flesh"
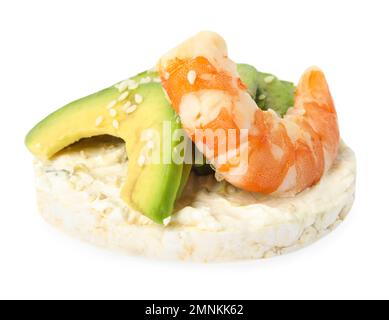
268 91
186 170
150 188
249 76
276 94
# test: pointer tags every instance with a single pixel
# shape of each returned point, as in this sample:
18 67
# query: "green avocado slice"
150 188
268 91
274 93
186 170
249 76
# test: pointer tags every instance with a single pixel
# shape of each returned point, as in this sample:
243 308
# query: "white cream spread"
98 171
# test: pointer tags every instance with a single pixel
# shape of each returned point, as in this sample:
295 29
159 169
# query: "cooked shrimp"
283 155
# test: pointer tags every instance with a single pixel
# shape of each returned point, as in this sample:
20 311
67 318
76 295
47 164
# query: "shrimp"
283 155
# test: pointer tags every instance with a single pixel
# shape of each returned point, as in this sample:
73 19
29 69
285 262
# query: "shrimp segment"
277 155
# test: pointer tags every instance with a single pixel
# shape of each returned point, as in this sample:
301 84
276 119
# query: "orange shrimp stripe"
207 77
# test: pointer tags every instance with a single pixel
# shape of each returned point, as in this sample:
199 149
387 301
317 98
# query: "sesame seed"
113 113
192 75
122 86
131 109
268 79
111 104
138 98
141 160
262 97
166 75
126 105
166 221
132 84
123 96
145 80
115 124
99 120
38 145
157 80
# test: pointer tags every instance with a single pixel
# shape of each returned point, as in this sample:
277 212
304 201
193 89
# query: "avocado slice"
274 93
268 91
186 170
150 188
249 76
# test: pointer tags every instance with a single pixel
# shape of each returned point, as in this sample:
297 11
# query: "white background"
52 52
